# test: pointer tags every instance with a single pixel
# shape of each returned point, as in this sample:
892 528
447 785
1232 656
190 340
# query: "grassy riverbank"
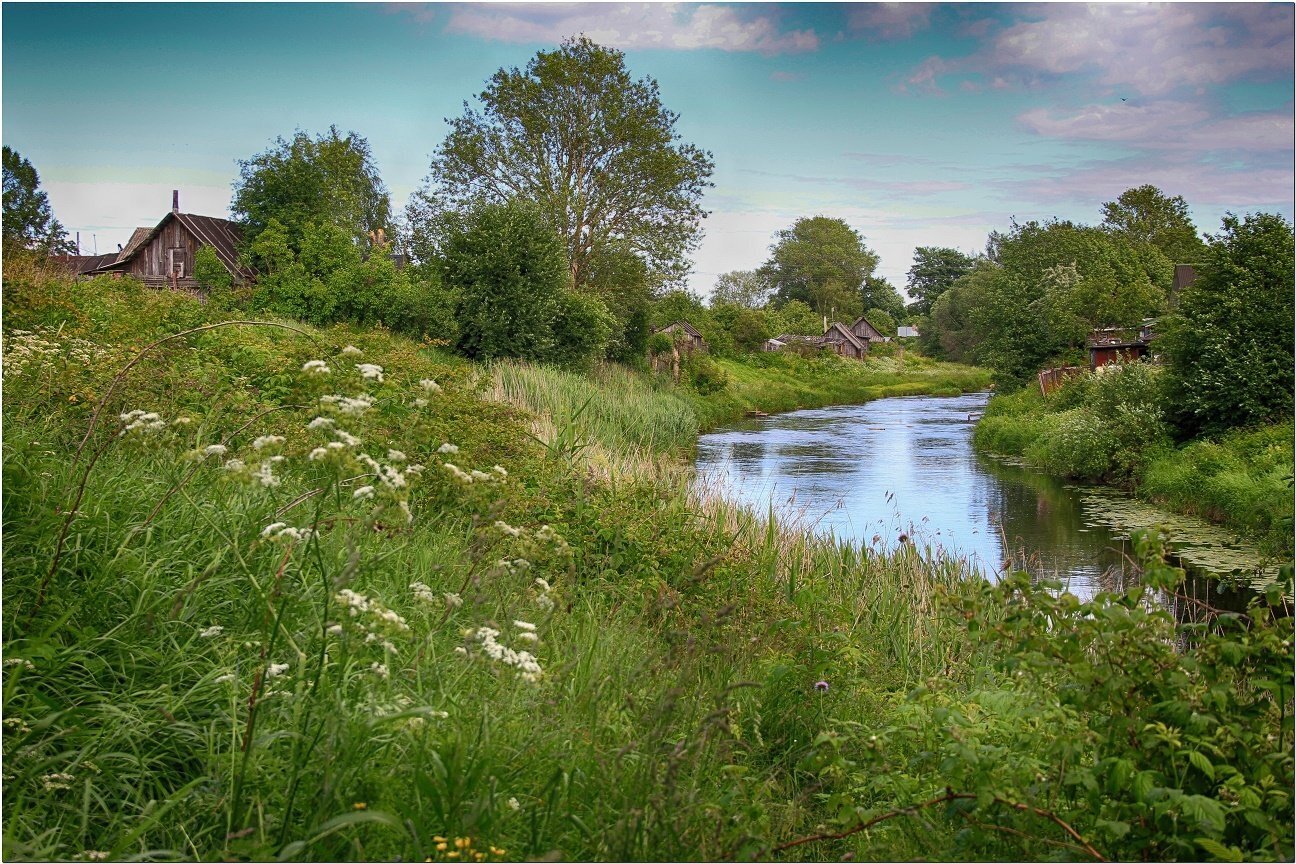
1111 428
235 631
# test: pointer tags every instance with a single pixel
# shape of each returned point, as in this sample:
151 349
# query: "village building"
685 335
163 255
907 333
837 337
78 265
1109 345
863 331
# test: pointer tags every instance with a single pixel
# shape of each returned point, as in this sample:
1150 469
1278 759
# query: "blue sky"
919 124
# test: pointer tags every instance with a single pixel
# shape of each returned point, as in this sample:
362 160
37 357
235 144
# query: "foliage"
881 321
740 288
1094 732
620 278
330 179
210 273
1229 347
582 327
592 147
876 292
822 262
28 221
1145 215
934 270
703 373
797 318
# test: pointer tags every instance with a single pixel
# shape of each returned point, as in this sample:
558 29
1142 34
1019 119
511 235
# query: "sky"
919 124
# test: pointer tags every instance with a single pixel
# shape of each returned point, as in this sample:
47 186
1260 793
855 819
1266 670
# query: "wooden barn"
865 332
838 337
164 254
845 342
685 335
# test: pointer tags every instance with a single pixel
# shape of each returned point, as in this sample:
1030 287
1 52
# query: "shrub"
704 374
581 329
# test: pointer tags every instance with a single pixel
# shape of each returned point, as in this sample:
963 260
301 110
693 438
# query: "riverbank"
306 595
1109 429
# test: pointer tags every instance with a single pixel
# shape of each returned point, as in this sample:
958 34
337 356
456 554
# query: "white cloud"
1166 125
888 21
632 25
1144 49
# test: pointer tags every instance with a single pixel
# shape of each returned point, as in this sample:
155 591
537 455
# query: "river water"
905 466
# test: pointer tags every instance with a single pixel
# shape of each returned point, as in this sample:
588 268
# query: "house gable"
865 331
165 255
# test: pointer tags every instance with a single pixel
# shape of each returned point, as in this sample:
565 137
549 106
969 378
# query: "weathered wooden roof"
221 235
683 325
78 264
846 334
869 330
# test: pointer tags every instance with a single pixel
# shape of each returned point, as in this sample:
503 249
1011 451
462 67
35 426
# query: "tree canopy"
934 270
1230 345
592 147
330 179
822 262
1145 214
741 288
28 221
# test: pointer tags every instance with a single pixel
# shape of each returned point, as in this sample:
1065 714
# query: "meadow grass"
235 631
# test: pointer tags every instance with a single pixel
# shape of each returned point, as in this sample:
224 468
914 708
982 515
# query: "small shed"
684 335
773 345
863 331
163 255
1109 345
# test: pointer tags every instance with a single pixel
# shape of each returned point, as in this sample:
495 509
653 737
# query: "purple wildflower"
821 686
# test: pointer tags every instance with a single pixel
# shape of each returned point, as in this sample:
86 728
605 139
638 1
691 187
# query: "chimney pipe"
175 200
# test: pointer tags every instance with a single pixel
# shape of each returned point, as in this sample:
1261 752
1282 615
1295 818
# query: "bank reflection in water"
906 466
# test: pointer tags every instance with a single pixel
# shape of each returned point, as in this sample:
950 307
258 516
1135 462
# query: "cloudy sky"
917 123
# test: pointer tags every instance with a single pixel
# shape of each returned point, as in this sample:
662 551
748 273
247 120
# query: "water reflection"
905 466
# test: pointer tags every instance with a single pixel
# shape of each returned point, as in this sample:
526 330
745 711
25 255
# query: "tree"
28 221
822 262
594 149
1146 215
934 270
877 292
881 321
740 287
1229 347
796 318
330 179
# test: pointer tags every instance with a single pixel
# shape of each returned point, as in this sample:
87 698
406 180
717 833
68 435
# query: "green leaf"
1219 850
1201 763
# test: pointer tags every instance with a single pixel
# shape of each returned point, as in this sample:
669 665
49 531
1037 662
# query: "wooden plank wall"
152 259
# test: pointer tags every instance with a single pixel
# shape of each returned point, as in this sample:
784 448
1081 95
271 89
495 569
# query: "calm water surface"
905 465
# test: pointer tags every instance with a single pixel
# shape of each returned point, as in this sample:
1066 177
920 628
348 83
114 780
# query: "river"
905 466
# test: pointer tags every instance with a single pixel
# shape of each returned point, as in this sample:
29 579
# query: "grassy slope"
676 717
1242 480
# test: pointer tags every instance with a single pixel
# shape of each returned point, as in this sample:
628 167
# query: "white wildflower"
226 678
19 661
379 669
523 625
274 670
461 649
527 636
453 600
182 421
429 385
508 529
351 351
422 592
265 475
212 631
57 781
542 584
545 602
317 454
346 437
457 472
215 450
404 507
448 448
320 423
317 367
499 469
513 804
273 528
370 371
267 441
363 492
333 630
234 465
420 403
395 456
94 855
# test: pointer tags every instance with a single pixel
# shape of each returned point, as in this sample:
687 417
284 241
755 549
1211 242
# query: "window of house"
176 262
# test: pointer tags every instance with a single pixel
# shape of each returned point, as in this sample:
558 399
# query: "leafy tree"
798 319
595 149
330 179
740 287
881 321
1230 346
620 279
877 292
28 221
581 329
822 262
1146 215
934 270
209 272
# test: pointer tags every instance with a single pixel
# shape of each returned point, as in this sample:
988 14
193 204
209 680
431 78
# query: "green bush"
581 329
704 374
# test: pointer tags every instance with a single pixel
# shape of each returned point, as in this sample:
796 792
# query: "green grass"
180 685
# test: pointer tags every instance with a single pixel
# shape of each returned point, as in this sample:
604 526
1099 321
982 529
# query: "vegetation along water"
330 544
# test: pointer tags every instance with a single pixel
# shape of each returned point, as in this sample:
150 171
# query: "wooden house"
773 345
79 265
863 331
685 335
163 255
1109 345
1184 275
845 343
